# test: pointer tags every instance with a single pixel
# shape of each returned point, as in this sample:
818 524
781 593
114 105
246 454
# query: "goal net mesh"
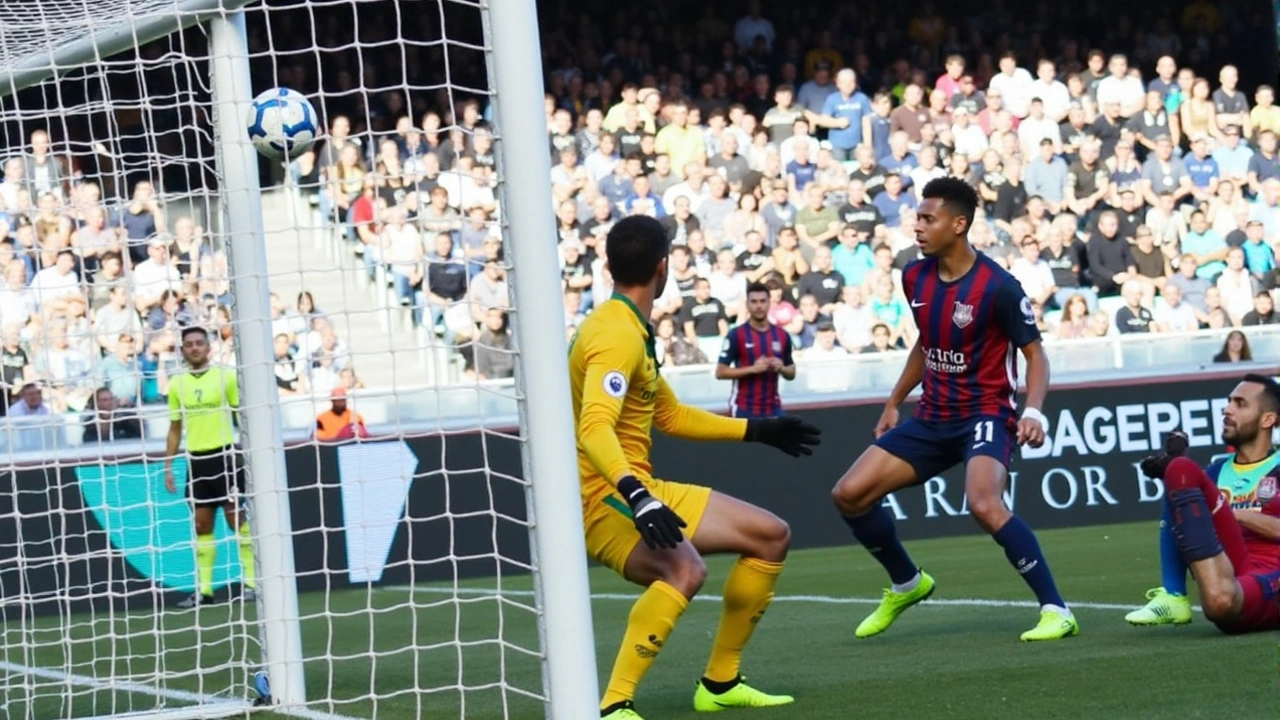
385 261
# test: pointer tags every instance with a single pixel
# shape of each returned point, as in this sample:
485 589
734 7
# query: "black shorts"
216 477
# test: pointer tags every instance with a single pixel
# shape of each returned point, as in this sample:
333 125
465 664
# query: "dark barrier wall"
439 507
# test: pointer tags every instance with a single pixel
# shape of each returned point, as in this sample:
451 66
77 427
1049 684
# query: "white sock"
1056 609
909 585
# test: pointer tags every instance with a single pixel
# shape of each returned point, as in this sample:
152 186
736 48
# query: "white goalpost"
427 562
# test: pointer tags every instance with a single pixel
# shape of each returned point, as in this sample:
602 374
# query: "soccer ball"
282 124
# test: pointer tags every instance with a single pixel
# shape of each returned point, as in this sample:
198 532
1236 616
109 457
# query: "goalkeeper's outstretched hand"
659 525
1175 445
788 433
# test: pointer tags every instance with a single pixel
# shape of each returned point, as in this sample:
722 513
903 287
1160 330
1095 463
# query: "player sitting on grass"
633 521
973 316
1223 524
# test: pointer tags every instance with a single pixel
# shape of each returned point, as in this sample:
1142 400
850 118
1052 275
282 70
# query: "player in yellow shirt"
636 524
204 399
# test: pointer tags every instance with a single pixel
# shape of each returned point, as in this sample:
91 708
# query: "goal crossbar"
93 31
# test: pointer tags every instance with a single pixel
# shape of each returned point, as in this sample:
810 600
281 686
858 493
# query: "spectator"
340 422
106 423
1075 318
1033 273
30 435
121 372
1174 315
446 285
1046 176
729 286
1263 312
488 292
1110 260
1150 263
494 355
881 340
1132 317
705 317
289 380
1234 349
1263 165
1208 248
893 200
673 348
1236 286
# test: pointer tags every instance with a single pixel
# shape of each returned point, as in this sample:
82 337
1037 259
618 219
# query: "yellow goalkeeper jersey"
619 396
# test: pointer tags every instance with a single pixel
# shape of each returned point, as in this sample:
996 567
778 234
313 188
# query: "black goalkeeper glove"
788 433
1175 445
658 524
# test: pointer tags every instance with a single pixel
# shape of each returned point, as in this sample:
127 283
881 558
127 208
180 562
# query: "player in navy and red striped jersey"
973 318
754 355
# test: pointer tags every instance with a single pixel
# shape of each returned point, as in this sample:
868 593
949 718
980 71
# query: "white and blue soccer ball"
282 124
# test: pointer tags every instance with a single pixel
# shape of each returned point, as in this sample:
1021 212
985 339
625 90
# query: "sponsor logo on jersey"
946 361
962 316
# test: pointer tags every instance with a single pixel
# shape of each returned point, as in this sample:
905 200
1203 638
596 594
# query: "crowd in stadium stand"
1129 193
1126 195
94 299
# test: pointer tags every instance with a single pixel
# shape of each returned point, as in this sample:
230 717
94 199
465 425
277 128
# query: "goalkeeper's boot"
1054 625
741 695
1162 608
624 710
893 605
195 599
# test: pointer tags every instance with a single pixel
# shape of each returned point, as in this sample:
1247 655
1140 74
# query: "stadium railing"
857 377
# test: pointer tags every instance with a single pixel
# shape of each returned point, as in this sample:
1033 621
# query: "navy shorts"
933 447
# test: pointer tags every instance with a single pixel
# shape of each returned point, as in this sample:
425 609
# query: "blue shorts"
933 447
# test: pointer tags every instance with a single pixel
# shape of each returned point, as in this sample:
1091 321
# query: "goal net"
411 543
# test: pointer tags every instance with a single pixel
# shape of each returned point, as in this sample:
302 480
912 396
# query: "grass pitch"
409 653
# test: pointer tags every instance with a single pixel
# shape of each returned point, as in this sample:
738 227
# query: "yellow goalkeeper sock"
747 594
206 554
247 567
652 619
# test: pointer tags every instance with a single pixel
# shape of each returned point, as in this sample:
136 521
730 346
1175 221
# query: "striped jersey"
970 331
1254 487
755 395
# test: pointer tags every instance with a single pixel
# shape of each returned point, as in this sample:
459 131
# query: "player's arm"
788 433
609 367
1265 525
911 377
608 372
726 366
1017 319
174 439
788 369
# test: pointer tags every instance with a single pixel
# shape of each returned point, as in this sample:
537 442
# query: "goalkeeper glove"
788 433
1175 445
658 524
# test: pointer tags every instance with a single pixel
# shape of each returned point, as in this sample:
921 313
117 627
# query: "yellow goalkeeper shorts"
611 533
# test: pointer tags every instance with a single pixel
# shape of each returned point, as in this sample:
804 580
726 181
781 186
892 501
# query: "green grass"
941 660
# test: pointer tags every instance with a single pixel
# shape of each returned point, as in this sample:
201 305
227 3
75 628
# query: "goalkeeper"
1223 524
654 532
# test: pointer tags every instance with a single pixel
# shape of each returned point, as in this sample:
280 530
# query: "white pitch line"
816 599
207 703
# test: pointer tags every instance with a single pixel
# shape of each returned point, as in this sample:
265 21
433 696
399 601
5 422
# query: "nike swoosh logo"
915 304
978 445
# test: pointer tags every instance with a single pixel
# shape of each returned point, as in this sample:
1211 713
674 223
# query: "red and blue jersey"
755 395
970 331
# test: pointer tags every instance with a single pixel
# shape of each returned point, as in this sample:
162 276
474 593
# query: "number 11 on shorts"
983 433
